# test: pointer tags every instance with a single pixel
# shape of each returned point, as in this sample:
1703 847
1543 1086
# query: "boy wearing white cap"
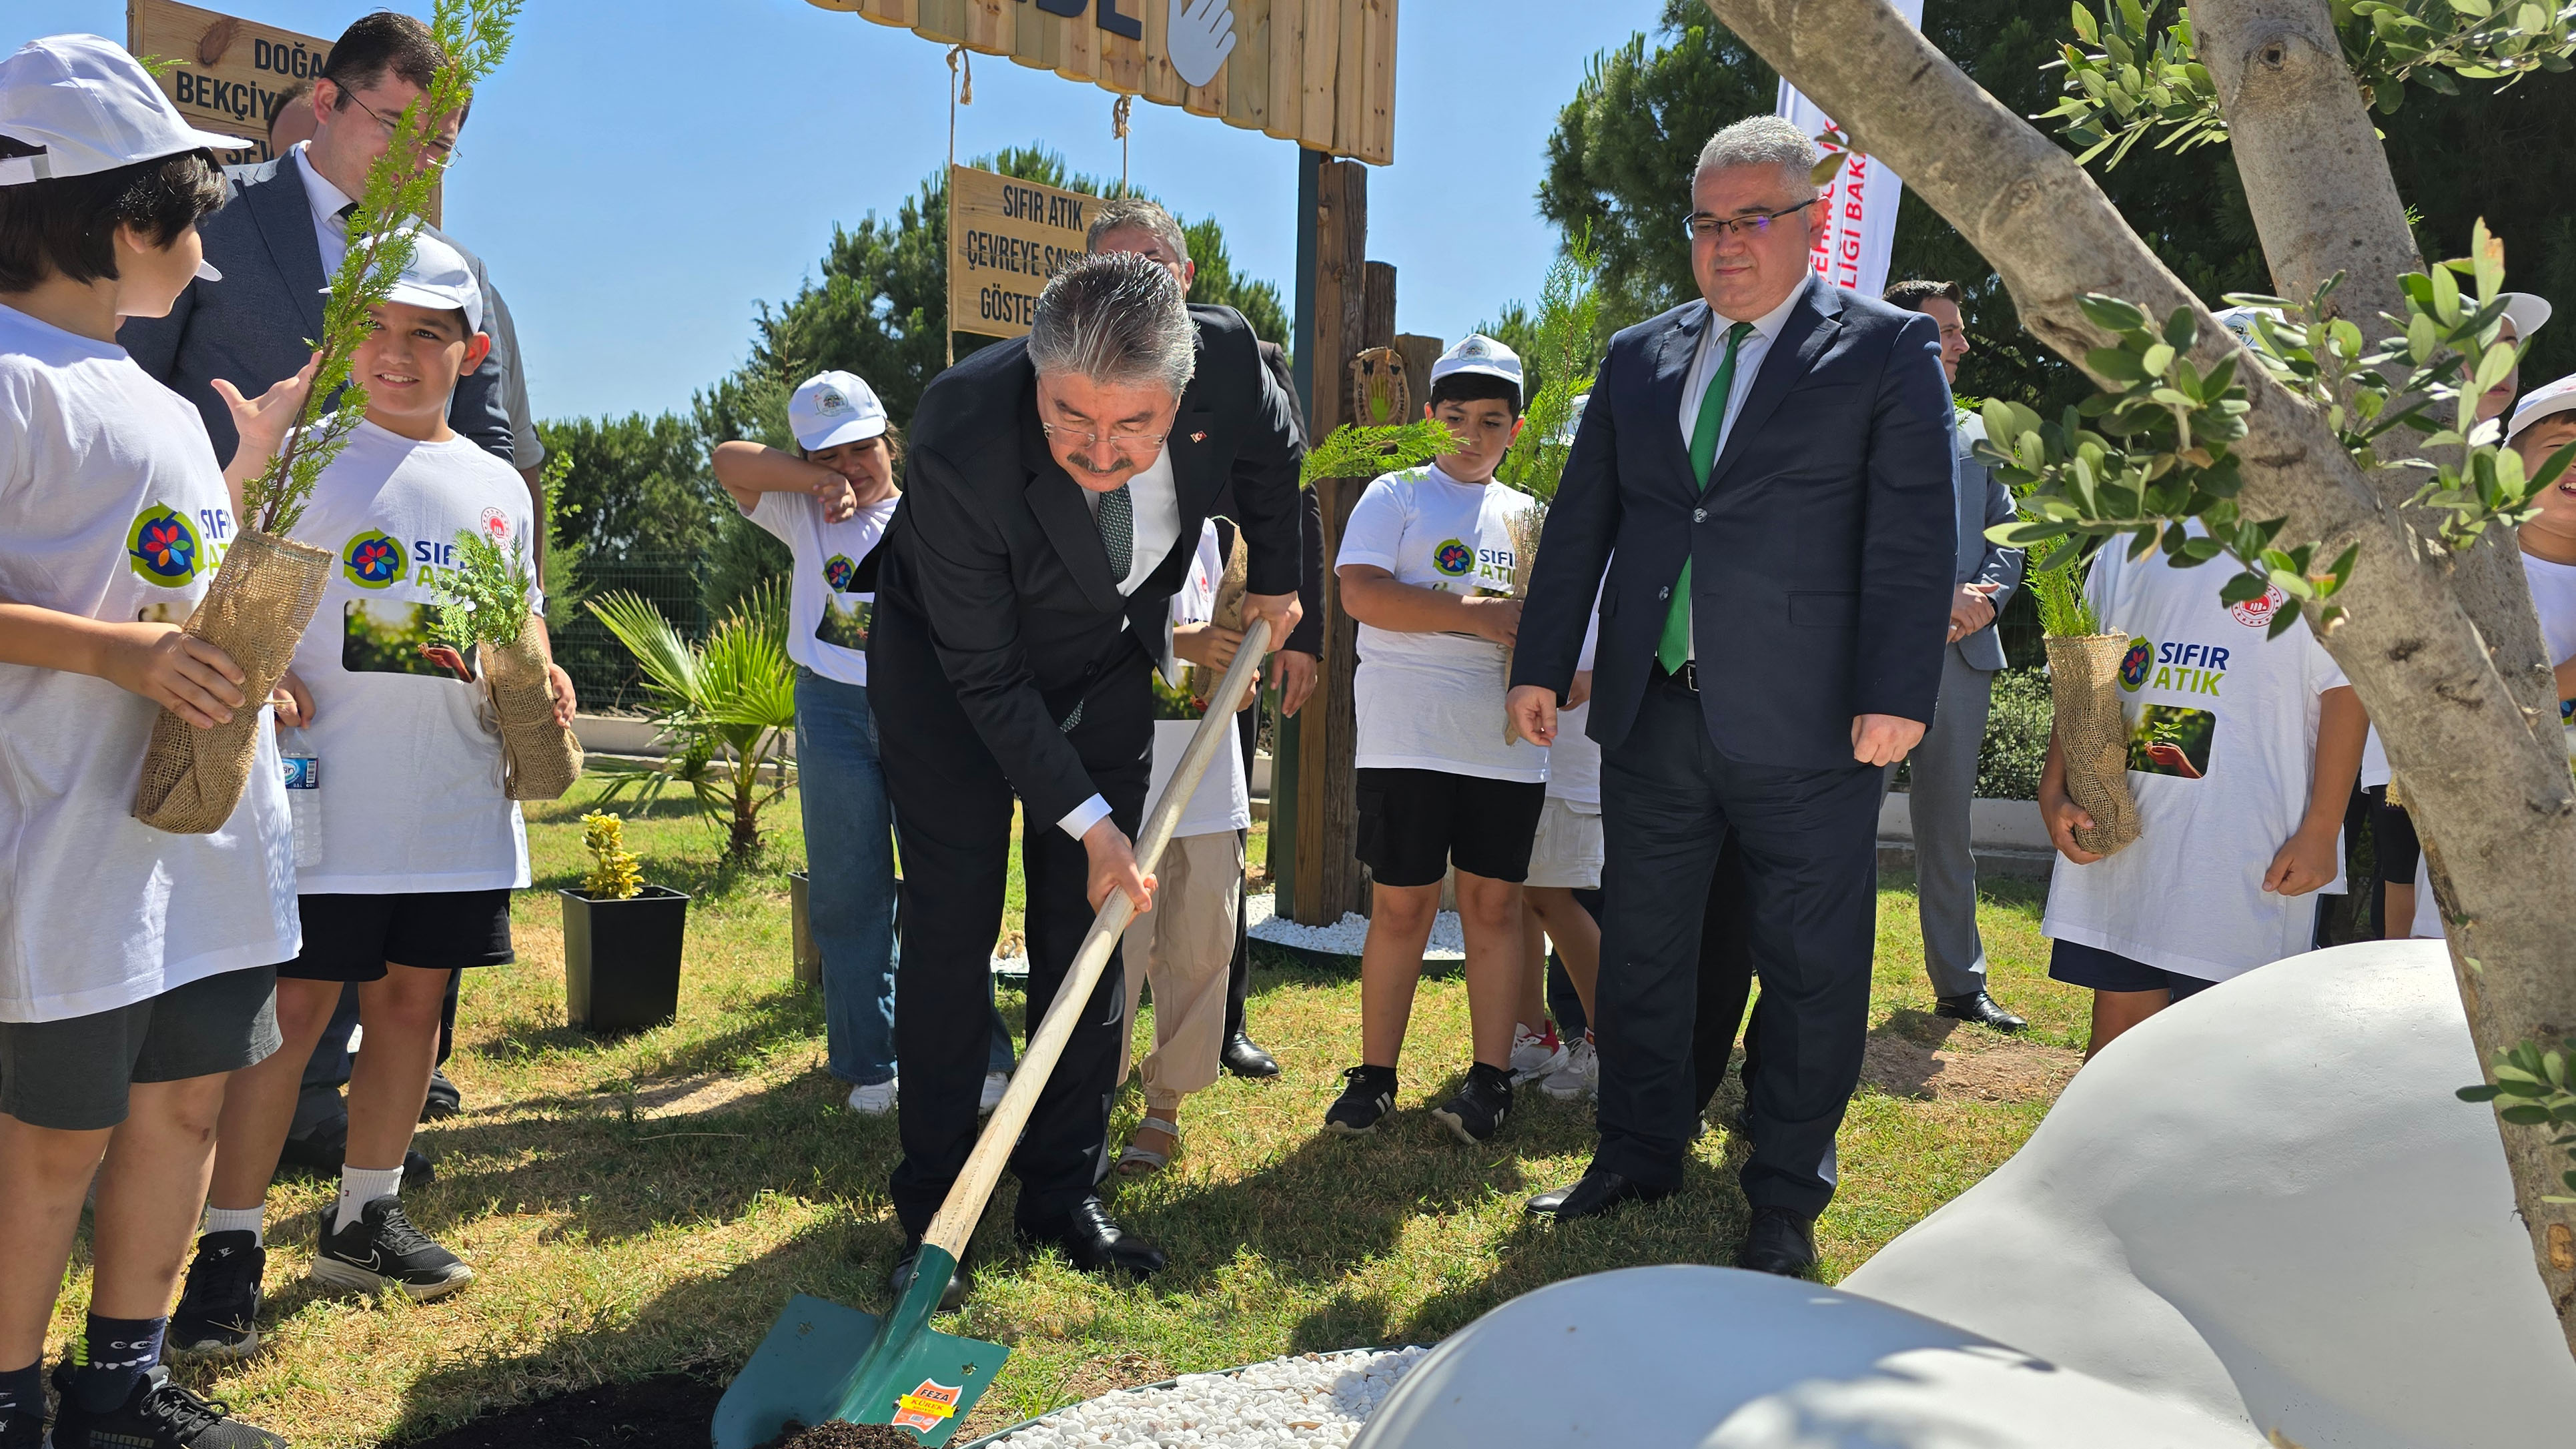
420 847
1427 567
136 968
830 503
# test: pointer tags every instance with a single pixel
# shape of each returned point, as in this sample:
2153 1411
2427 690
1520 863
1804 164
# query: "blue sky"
637 186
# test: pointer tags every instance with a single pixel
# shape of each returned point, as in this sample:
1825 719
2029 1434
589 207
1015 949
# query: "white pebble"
1308 1401
1345 936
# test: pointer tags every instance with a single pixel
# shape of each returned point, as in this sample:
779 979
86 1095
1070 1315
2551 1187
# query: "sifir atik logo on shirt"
375 559
1493 567
168 548
2187 668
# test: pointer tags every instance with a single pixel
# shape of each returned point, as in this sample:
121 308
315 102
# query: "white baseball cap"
2541 402
1479 353
832 408
440 279
91 108
2241 320
2527 312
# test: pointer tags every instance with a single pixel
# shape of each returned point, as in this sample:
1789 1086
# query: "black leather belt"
1688 678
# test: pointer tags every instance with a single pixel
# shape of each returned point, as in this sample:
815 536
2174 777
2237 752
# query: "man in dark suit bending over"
1054 497
1764 476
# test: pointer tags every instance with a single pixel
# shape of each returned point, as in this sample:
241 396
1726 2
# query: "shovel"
822 1361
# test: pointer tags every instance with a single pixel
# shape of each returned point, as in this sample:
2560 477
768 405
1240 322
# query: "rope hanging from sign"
961 92
1118 112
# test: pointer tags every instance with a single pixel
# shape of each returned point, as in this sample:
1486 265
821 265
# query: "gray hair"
1120 213
1762 141
1116 318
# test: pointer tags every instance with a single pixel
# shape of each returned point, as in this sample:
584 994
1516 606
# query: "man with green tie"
1760 494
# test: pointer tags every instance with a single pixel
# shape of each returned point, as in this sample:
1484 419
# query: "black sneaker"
1365 1100
218 1312
159 1414
1481 1107
25 1430
382 1252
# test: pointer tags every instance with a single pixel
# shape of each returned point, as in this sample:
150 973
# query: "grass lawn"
647 1204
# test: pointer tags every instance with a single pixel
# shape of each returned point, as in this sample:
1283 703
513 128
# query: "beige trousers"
1184 945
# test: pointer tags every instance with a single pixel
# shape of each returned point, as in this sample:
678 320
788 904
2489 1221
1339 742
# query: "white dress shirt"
1748 364
330 233
1155 506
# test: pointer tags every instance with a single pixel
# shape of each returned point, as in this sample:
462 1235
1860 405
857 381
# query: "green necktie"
1675 646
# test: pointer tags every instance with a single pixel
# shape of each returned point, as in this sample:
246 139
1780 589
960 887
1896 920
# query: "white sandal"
1139 1161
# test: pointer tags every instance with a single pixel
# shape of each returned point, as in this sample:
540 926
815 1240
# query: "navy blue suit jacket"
1823 547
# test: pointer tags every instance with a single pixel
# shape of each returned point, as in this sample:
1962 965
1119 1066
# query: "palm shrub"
725 709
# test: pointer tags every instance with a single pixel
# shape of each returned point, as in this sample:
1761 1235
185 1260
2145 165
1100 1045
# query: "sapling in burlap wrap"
540 759
2093 737
1227 614
263 595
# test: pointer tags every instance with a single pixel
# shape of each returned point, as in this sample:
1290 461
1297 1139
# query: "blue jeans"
850 900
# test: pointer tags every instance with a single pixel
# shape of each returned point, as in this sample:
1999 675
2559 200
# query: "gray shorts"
72 1075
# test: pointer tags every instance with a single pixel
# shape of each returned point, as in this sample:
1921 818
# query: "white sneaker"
1579 1076
1535 1054
874 1101
995 1084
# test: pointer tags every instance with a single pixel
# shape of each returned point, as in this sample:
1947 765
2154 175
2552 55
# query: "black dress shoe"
1244 1057
1598 1191
443 1101
1779 1241
1094 1243
901 1278
1979 1008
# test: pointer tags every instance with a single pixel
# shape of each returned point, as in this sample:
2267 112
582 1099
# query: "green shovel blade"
822 1361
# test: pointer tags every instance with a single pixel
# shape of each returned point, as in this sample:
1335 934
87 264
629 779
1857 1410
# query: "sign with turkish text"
231 72
1317 72
1006 237
1859 203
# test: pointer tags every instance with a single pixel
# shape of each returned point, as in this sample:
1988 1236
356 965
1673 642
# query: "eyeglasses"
1704 226
442 153
1119 442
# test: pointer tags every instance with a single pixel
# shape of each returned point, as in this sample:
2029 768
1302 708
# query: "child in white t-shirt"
2543 423
137 968
1427 568
420 847
830 502
2242 754
1184 944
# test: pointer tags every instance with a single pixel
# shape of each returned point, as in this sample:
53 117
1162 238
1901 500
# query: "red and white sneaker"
1535 1053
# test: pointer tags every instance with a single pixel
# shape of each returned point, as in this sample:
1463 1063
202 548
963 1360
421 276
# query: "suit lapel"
1673 357
285 220
1811 325
1061 510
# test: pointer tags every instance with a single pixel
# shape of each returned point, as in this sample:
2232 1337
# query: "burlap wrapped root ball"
540 759
2093 737
255 611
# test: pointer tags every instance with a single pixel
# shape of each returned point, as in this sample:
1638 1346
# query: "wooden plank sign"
1317 72
1006 237
232 70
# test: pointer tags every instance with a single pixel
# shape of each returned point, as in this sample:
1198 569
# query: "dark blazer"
1983 502
994 549
1823 546
251 328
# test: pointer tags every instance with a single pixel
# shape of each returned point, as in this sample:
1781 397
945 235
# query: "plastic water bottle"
303 795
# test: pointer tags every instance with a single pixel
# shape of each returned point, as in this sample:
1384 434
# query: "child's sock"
111 1358
360 1186
22 1395
249 1220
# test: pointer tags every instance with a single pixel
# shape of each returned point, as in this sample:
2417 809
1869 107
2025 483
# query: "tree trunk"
2486 781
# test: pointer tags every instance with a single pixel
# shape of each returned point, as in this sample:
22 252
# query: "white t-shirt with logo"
1223 800
1435 701
2222 755
112 507
410 765
834 597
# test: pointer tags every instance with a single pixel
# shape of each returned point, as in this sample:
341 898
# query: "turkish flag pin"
1198 437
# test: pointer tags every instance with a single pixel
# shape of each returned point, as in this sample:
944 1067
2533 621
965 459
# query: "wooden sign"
232 70
1317 72
1006 237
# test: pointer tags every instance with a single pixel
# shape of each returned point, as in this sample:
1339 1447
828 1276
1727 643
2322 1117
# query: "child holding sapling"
137 968
420 845
1427 566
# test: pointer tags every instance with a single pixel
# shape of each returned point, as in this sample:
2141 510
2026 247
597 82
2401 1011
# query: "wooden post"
1287 745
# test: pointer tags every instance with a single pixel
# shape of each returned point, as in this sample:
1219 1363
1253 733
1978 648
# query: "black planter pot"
622 959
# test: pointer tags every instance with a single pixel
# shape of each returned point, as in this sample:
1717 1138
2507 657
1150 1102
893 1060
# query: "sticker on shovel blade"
924 1407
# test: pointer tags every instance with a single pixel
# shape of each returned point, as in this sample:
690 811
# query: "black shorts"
1415 824
2079 965
351 937
2392 836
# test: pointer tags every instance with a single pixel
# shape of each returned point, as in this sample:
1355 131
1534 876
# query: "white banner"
1859 204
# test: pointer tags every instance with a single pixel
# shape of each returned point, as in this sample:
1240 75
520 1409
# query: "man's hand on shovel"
1113 867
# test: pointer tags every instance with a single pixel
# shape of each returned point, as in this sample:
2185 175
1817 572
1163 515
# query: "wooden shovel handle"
957 1216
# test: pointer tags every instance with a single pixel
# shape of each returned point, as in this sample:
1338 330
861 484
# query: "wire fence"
603 673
